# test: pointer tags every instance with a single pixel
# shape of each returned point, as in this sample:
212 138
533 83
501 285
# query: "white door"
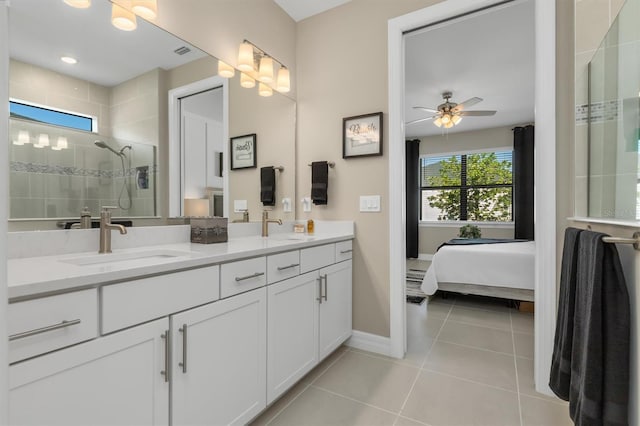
219 361
293 332
113 380
335 309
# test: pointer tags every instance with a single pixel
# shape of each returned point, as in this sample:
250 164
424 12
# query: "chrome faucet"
105 229
266 221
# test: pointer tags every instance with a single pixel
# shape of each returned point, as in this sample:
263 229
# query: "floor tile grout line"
476 347
515 365
386 410
547 399
464 379
330 365
308 385
507 328
400 416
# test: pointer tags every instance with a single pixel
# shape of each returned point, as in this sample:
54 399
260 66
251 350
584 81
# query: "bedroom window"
50 116
467 187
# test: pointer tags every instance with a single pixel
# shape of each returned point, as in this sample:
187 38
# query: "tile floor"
469 362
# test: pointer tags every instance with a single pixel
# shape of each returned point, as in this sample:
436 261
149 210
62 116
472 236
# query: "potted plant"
470 231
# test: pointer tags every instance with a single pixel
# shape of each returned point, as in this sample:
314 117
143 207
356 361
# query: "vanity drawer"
282 266
317 257
243 275
134 302
42 325
344 250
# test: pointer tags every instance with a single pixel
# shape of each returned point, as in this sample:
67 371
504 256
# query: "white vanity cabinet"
219 361
113 380
309 317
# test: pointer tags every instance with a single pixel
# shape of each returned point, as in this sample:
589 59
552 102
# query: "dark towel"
560 377
599 392
268 186
319 182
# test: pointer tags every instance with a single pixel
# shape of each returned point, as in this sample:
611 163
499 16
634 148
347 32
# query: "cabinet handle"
293 265
165 372
319 298
346 251
248 277
325 287
183 364
63 324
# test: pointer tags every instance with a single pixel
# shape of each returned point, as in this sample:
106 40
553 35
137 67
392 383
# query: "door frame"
176 188
545 173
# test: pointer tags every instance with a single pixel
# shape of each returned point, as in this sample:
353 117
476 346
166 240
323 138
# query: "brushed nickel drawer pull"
63 324
325 287
346 251
319 298
165 372
293 265
183 364
248 277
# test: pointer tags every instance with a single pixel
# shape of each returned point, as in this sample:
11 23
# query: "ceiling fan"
448 114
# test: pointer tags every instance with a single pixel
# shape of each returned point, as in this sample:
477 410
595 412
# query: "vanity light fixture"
265 90
69 60
246 81
79 4
147 9
259 65
43 140
225 70
123 19
61 144
23 138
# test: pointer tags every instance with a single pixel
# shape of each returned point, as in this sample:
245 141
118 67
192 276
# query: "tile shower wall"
45 183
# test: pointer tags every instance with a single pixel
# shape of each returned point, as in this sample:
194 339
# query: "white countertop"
30 277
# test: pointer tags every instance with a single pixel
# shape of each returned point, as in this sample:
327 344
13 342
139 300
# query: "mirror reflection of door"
202 142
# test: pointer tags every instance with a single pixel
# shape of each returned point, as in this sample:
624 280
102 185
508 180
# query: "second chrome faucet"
266 221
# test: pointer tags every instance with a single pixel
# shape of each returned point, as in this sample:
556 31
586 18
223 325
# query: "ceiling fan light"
456 119
448 125
446 119
438 122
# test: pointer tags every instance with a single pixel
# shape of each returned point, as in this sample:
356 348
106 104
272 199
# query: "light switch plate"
369 203
239 206
306 204
286 205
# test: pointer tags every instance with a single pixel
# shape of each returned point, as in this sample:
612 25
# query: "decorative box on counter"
208 230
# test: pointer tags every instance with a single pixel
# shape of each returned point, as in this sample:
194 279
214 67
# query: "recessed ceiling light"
68 60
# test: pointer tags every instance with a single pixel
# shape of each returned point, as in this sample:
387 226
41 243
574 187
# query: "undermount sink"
126 259
291 237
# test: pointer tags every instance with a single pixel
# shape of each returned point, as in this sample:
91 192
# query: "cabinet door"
335 309
113 380
219 364
293 332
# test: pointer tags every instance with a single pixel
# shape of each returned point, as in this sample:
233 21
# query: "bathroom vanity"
174 333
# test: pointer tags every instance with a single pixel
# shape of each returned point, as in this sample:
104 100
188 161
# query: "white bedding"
510 265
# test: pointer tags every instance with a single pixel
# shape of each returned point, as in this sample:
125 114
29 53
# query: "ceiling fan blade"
426 109
476 113
419 120
467 103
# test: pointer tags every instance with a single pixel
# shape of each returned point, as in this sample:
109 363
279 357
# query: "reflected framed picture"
362 135
243 152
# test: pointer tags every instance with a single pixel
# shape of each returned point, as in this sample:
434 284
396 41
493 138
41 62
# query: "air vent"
182 50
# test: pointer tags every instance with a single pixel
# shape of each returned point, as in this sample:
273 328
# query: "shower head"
125 147
102 144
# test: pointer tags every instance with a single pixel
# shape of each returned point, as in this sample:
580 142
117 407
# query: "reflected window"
40 114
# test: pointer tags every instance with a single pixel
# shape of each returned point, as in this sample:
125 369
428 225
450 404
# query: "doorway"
545 266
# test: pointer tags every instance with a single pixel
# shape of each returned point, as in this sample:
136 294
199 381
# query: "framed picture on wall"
243 152
362 135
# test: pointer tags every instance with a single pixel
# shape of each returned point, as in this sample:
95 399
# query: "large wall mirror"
119 90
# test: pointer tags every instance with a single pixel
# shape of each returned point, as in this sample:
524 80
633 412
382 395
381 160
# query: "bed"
505 270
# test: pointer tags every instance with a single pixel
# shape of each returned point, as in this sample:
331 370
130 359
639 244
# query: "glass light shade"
438 122
43 140
147 9
284 83
23 138
80 4
122 18
265 90
245 57
196 207
456 119
448 125
225 70
246 81
446 118
265 74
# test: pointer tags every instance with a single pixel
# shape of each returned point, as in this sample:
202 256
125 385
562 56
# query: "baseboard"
424 256
370 342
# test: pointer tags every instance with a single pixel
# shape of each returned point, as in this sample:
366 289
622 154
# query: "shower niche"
56 171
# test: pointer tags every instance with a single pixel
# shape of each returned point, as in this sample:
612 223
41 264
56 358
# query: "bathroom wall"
342 72
4 185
